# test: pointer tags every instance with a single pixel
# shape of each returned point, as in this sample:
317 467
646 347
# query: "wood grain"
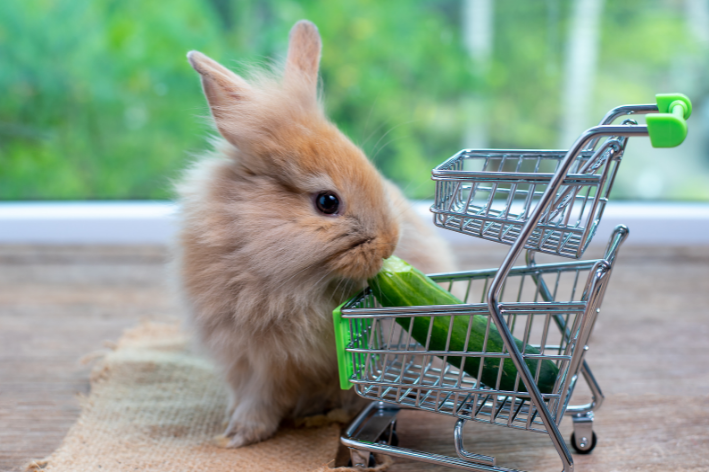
650 352
58 304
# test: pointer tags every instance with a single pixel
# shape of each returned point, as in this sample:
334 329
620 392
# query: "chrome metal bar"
428 457
444 353
513 177
619 235
597 396
448 310
628 110
519 270
503 221
624 110
356 423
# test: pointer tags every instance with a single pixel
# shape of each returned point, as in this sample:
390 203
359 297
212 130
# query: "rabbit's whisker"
376 152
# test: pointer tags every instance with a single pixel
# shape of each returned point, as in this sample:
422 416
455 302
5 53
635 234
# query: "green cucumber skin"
399 285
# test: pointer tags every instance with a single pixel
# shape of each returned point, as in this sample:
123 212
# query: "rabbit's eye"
327 203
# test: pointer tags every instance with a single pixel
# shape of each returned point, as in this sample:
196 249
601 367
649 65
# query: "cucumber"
400 284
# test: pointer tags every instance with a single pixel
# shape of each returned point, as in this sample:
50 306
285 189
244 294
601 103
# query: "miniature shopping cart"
542 201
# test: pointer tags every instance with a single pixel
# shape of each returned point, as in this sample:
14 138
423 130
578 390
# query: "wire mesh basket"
549 308
491 193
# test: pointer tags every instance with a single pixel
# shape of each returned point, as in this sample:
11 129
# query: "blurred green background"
98 101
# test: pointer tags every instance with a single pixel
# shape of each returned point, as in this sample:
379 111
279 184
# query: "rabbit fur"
260 267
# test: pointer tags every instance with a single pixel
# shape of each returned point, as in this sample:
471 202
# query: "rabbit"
281 223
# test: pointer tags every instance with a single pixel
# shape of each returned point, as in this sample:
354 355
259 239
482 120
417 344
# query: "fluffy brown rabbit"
284 221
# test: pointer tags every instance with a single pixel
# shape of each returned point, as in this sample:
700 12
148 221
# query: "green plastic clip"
668 128
342 340
345 329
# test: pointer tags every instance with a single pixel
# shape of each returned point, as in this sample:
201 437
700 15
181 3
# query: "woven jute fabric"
156 405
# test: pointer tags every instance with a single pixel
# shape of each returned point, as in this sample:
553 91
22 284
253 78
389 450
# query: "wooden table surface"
649 351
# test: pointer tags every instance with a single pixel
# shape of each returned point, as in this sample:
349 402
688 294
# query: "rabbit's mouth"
362 259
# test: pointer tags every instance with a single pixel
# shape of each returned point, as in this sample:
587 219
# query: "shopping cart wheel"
584 446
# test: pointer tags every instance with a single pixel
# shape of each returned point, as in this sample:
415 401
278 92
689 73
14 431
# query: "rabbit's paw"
244 431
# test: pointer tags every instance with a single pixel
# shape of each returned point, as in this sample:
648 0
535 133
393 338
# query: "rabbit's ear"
223 89
304 54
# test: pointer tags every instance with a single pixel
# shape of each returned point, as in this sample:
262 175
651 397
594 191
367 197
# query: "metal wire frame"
551 203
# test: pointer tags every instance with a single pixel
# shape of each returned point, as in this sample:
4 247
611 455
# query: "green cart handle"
668 128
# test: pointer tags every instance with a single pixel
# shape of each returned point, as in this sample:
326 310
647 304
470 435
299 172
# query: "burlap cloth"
155 405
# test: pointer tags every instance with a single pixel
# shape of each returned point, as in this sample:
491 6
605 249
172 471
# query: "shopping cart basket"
546 201
492 194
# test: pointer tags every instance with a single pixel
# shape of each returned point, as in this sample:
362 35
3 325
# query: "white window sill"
151 222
